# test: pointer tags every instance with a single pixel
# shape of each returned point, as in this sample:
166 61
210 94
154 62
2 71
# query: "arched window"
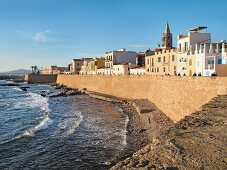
209 62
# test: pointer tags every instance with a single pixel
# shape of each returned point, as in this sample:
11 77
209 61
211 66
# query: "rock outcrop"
198 141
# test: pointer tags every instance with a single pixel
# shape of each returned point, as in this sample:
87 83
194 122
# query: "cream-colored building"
115 57
91 65
185 42
163 61
53 70
85 68
76 66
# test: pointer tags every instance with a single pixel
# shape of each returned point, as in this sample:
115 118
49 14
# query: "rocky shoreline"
139 133
198 141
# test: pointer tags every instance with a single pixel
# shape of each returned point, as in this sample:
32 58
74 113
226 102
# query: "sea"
43 132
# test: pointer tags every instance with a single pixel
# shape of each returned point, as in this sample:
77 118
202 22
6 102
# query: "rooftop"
196 29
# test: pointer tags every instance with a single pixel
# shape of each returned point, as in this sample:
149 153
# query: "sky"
53 32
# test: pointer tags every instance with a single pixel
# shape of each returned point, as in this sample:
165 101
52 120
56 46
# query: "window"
190 62
212 61
173 58
78 64
152 69
147 61
209 62
159 59
185 46
180 47
164 59
157 69
174 68
164 69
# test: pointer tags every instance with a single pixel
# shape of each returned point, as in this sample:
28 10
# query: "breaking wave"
34 100
17 89
69 125
42 125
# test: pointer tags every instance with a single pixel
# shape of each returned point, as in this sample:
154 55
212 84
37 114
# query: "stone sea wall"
41 79
175 96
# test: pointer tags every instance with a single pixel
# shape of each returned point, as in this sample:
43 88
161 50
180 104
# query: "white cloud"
43 36
40 36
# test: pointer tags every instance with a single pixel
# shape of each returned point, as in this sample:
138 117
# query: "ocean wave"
31 132
125 130
42 125
17 89
69 125
34 100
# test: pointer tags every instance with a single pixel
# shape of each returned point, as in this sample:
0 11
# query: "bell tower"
167 37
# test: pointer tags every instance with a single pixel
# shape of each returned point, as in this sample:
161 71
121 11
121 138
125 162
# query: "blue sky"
53 32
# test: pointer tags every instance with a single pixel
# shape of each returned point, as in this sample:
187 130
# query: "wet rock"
24 88
61 94
10 84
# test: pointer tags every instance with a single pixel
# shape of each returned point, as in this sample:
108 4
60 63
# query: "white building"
184 42
122 68
211 58
140 70
115 57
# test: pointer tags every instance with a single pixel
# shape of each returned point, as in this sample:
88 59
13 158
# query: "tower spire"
167 30
167 37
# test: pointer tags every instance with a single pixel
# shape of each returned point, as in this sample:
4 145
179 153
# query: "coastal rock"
10 84
198 141
24 88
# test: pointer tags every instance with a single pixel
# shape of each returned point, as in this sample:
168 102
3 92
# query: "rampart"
175 96
41 79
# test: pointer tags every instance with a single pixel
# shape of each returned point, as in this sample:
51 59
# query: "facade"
163 61
53 70
122 68
91 65
101 71
210 58
139 70
85 68
76 66
185 42
140 59
116 57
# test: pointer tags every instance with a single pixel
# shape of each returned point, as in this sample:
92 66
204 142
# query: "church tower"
167 37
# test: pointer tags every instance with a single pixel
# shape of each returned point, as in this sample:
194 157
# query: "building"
76 66
115 57
139 70
140 59
95 64
122 68
209 59
185 42
101 71
91 65
53 70
85 68
163 61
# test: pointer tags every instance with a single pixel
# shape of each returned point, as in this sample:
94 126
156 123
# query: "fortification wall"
175 96
42 79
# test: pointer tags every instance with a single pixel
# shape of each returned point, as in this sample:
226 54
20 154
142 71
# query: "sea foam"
42 125
69 125
34 100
